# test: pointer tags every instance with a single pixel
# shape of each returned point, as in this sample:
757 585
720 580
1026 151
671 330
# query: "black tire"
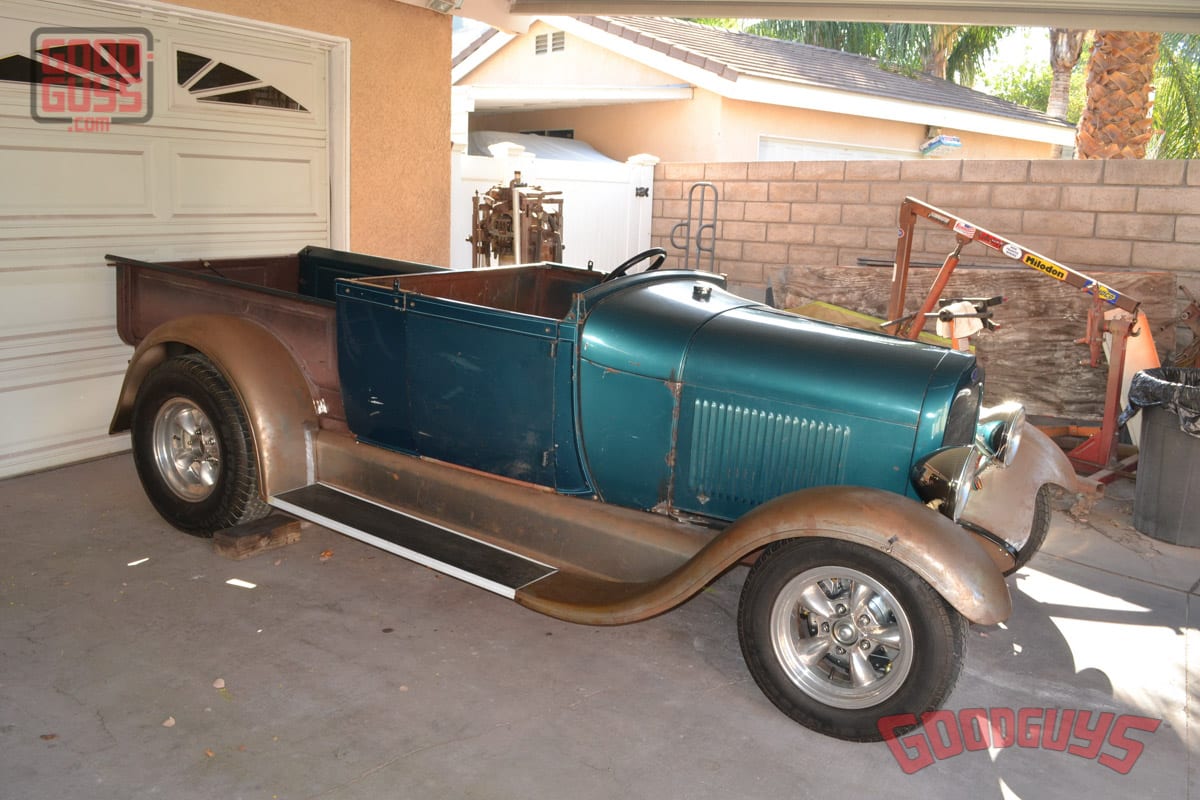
204 479
1037 530
775 632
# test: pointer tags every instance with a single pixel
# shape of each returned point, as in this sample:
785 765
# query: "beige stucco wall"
742 123
712 128
688 130
580 63
399 116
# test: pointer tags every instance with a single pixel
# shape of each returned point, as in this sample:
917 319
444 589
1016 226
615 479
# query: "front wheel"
839 636
1037 530
193 449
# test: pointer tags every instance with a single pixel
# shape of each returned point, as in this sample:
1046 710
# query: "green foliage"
1029 85
728 23
864 38
1024 84
904 48
1177 98
972 45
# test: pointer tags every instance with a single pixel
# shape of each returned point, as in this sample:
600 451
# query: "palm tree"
1177 98
945 51
1116 121
864 38
1066 45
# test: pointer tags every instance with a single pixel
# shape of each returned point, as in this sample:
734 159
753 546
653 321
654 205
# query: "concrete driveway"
364 676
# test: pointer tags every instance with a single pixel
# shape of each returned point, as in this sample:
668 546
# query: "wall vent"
554 42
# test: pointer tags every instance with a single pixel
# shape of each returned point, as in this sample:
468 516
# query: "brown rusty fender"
616 565
613 565
1004 502
940 552
277 399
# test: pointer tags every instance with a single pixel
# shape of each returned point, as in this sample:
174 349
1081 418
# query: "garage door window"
211 81
79 65
18 68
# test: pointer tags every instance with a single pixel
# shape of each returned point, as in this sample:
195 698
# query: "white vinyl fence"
604 219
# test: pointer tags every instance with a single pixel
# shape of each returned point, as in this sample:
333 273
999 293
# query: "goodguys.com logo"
1084 734
91 78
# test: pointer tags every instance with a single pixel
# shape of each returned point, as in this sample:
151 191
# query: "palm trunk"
1116 121
1065 47
941 42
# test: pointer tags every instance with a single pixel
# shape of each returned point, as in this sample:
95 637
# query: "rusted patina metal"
279 403
1004 504
937 550
618 566
262 289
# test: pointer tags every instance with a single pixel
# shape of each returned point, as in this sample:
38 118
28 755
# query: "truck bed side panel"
148 297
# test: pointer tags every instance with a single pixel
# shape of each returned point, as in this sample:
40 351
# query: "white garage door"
234 160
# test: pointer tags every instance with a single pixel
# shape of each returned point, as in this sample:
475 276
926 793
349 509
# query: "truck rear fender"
943 554
275 396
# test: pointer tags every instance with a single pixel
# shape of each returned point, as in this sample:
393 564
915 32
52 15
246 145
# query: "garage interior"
350 673
136 661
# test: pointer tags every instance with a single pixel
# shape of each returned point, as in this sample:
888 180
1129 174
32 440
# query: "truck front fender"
944 555
1004 502
275 396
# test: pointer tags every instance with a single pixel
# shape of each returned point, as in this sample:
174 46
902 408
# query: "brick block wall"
1136 215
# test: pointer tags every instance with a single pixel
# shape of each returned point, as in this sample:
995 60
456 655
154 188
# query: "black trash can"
1167 500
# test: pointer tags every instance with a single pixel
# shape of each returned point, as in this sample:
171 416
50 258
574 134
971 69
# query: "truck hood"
685 328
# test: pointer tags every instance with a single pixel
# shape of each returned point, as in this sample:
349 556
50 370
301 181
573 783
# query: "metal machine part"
516 224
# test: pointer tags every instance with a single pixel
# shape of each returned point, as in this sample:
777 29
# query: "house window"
211 81
549 43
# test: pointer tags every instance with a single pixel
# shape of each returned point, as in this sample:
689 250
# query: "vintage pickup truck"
599 447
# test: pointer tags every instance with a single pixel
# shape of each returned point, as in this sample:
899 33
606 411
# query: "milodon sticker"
1106 294
1053 271
936 217
965 228
1012 251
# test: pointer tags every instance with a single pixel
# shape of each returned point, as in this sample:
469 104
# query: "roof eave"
479 51
792 95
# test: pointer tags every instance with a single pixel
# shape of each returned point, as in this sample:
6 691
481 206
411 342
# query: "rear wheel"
838 636
193 449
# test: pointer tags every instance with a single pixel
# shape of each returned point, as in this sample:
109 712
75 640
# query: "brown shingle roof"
730 54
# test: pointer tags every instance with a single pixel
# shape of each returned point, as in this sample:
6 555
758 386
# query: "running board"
447 551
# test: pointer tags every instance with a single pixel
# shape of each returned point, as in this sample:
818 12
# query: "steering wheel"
624 266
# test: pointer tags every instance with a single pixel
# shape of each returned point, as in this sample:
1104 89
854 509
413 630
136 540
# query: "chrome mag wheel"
186 449
842 637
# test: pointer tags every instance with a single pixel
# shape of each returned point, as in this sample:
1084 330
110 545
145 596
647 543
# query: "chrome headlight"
999 431
944 478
